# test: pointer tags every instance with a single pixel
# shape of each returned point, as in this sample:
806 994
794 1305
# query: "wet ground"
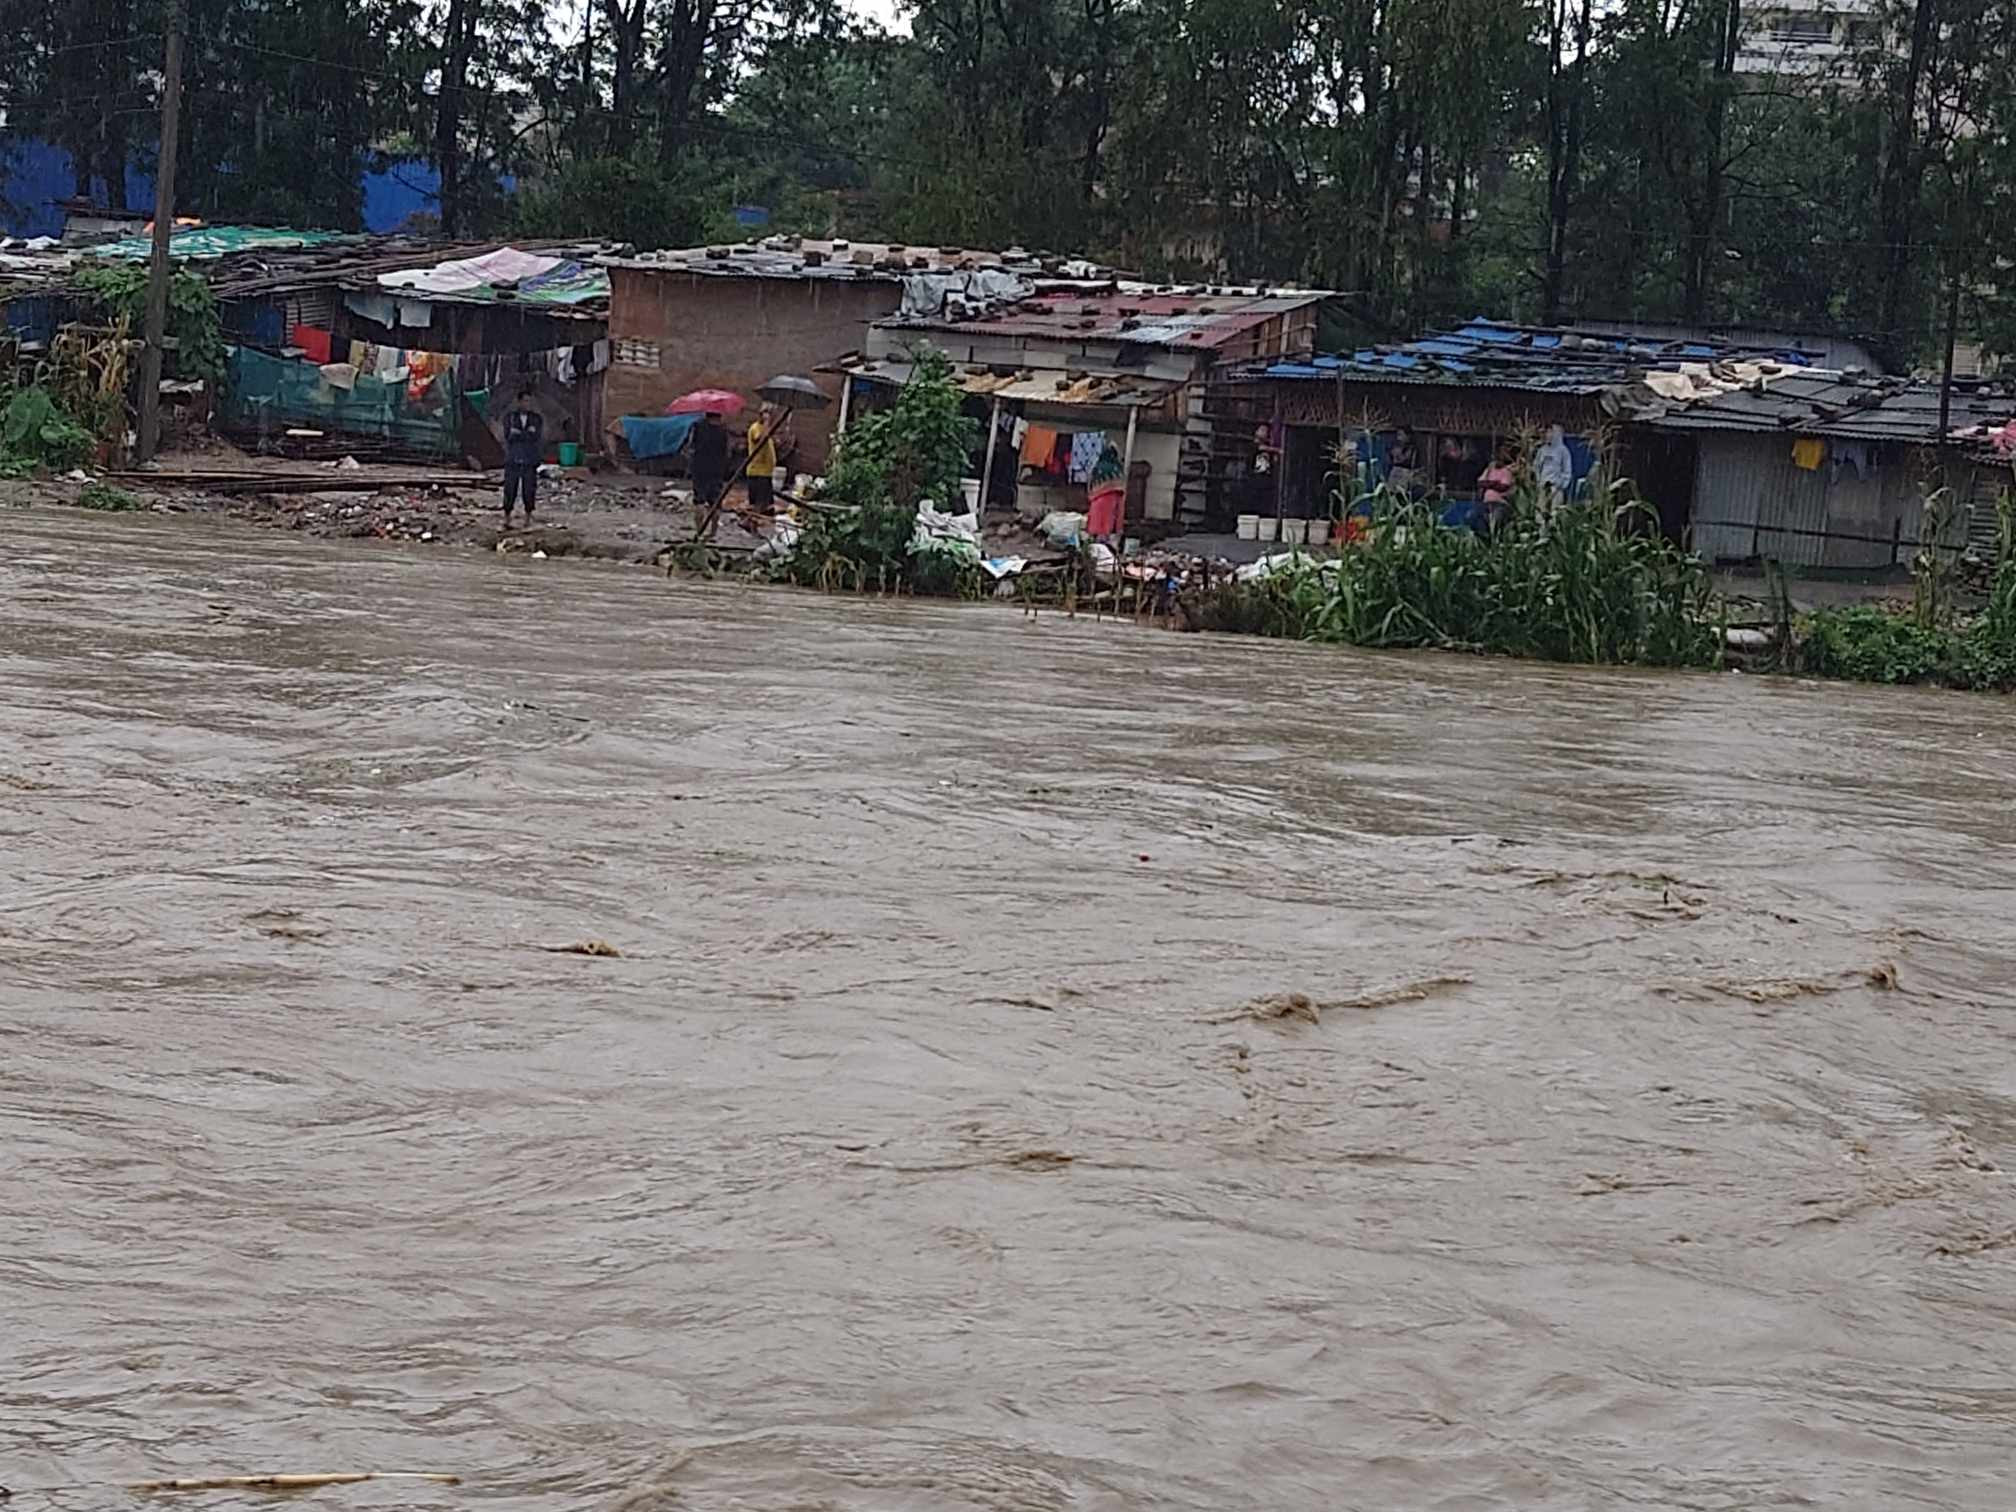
941 1137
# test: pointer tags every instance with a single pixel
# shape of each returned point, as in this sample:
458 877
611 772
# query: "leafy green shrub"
193 317
887 464
35 432
1863 643
1579 583
947 569
106 497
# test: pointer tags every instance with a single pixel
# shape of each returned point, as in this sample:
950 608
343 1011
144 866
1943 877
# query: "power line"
70 47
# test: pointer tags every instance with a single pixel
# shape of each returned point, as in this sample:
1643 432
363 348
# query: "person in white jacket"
1554 466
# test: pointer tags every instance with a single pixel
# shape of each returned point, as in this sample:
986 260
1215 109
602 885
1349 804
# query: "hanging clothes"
340 375
376 308
1852 455
416 312
1106 489
1038 446
601 356
1808 452
422 369
314 343
1085 449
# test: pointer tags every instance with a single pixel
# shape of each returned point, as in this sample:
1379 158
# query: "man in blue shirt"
524 439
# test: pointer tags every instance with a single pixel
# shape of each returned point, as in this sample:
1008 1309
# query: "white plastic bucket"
779 476
1294 532
970 487
1249 527
1319 532
1263 530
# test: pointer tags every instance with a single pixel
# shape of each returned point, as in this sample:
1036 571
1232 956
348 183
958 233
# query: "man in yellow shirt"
763 458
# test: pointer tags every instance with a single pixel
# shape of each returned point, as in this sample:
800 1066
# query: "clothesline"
419 370
1069 454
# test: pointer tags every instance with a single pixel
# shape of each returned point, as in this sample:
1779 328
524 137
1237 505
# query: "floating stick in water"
291 1482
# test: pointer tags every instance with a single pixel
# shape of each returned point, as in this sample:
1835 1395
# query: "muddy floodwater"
1645 1140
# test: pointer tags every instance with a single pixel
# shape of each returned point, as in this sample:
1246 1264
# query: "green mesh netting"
270 394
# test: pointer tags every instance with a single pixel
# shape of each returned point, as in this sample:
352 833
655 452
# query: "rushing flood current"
1646 1142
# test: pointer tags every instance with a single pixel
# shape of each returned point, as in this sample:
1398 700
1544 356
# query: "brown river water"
923 1149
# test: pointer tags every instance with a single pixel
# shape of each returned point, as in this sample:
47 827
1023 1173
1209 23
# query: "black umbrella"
793 391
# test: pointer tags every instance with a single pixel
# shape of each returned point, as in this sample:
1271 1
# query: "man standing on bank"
707 464
524 440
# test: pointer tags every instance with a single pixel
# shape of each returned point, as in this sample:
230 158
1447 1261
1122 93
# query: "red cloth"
1106 510
314 341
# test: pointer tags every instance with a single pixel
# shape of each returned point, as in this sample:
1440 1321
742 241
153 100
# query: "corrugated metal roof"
1820 402
1536 359
1133 313
791 257
1036 385
1689 385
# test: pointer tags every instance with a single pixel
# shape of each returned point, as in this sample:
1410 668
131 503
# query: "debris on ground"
1299 1005
1881 975
1282 1005
585 948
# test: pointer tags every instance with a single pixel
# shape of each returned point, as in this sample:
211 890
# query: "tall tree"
1569 25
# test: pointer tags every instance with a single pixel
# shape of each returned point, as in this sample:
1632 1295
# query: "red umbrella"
706 402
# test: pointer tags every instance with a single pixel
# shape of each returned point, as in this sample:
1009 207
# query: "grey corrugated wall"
1751 499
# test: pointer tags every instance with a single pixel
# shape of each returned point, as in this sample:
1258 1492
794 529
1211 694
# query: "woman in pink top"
1494 486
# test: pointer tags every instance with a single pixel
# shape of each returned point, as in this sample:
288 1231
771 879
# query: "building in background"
1820 44
1112 358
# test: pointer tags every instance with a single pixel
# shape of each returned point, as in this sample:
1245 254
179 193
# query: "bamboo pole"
987 468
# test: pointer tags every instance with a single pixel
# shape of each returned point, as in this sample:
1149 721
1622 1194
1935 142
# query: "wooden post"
1127 470
1280 459
158 267
987 470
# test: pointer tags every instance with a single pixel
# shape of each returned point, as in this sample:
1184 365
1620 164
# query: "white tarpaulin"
505 265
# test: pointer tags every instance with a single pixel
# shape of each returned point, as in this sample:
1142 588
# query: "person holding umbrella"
763 457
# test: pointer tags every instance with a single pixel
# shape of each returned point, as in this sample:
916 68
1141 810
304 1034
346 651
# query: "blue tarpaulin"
650 436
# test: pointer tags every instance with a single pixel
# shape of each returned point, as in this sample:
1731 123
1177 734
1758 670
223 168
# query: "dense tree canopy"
1535 158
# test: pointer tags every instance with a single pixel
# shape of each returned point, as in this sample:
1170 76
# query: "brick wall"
674 332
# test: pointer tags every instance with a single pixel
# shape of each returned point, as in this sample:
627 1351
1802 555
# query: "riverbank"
1581 591
613 517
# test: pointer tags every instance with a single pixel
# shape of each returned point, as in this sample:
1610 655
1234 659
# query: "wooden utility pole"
158 267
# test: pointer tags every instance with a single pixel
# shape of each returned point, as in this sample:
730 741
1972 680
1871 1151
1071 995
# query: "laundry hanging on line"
313 341
1086 447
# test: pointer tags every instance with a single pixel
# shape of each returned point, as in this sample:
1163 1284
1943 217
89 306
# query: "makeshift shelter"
1745 451
411 345
1087 359
1820 468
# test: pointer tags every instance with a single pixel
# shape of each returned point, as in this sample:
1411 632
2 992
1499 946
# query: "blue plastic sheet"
650 436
